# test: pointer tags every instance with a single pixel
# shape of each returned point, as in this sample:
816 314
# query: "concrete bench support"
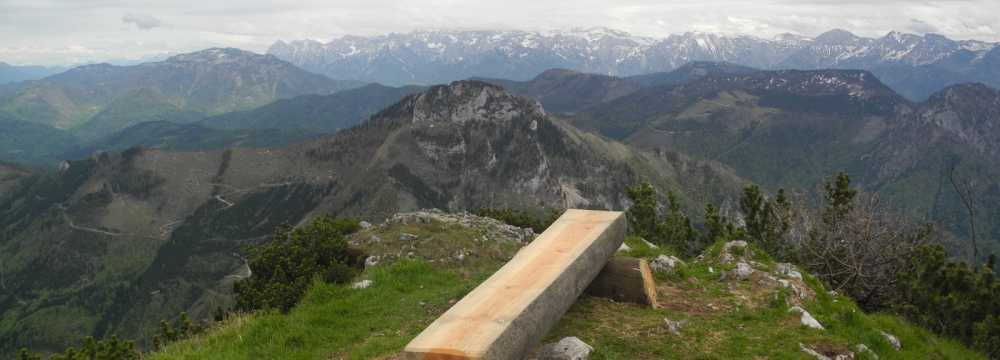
513 309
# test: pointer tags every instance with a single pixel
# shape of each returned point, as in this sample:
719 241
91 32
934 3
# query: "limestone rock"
893 340
807 319
819 356
675 326
788 270
665 263
371 261
862 348
569 348
365 225
740 273
363 284
734 251
407 237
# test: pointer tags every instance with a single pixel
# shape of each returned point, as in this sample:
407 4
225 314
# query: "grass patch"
726 320
337 321
740 323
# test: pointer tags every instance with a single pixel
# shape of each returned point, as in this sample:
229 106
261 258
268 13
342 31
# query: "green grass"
724 325
339 322
739 322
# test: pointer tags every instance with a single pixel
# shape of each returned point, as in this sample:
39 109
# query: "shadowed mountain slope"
157 232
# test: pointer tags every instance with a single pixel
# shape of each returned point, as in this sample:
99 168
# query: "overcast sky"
53 32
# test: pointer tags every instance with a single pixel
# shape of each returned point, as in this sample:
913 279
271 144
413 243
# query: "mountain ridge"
208 81
426 57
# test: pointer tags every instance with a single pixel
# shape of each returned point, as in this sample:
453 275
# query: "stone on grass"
371 261
740 273
665 263
807 319
816 354
407 237
788 270
893 340
365 225
675 326
624 248
363 284
862 348
569 348
727 251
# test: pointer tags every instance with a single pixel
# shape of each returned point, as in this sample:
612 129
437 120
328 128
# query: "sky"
68 32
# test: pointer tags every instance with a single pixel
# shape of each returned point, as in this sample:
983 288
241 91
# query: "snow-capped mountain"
426 57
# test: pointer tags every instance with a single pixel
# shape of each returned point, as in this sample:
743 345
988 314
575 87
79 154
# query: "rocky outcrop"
665 264
569 348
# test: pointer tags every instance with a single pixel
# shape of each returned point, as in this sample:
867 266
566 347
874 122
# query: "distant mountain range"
68 113
914 65
99 99
14 73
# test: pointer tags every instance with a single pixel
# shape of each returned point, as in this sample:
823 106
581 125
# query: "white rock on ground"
794 288
624 248
371 261
818 356
727 251
665 263
569 348
365 225
788 270
740 273
497 229
363 284
893 340
807 318
675 326
812 352
862 348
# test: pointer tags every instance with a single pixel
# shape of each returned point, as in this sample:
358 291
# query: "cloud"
143 21
921 27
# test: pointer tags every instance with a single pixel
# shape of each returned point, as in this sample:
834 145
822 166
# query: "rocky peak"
470 100
856 83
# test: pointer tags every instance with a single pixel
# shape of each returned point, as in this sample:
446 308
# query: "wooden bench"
513 309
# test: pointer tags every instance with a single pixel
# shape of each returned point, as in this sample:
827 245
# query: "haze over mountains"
88 103
14 73
914 65
173 166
